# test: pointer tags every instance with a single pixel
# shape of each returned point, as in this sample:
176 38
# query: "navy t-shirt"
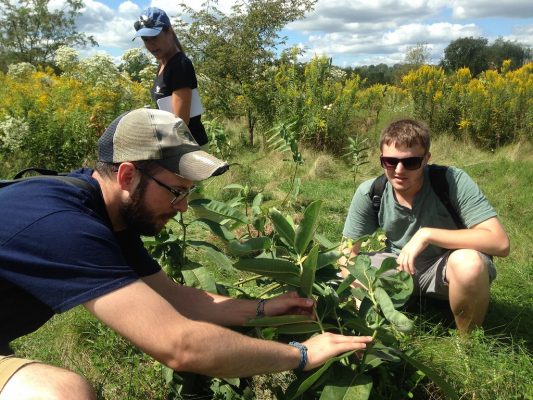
58 250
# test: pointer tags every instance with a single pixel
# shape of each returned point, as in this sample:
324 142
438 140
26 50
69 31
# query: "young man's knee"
45 381
466 266
82 388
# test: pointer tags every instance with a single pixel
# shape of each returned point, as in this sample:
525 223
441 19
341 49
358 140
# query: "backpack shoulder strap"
439 184
376 192
49 174
40 171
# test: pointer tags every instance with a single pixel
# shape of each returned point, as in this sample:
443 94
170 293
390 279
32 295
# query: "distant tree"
502 50
374 74
469 52
417 55
30 32
236 52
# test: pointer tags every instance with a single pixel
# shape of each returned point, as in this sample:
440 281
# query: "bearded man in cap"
64 244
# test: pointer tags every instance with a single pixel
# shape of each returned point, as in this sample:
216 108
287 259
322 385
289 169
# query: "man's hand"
322 347
289 304
409 253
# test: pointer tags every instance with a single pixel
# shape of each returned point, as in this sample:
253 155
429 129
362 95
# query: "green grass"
495 363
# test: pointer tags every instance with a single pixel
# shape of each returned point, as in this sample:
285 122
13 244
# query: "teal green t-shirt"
400 223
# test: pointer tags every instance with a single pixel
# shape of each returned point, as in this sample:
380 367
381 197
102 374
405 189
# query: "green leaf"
304 328
307 227
345 284
347 386
308 382
283 227
292 280
363 270
308 272
256 203
327 303
232 381
327 258
398 286
217 257
221 209
279 320
268 266
219 230
388 264
324 241
448 390
248 246
400 321
234 186
199 277
359 325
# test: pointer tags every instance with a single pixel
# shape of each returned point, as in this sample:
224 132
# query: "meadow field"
294 134
495 362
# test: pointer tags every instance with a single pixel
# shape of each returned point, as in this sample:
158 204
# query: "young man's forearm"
487 237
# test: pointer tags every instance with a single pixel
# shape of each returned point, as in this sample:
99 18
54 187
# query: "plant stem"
271 288
338 320
292 184
183 242
363 360
240 283
318 321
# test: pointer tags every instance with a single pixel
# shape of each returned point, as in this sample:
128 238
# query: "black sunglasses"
178 194
144 22
410 163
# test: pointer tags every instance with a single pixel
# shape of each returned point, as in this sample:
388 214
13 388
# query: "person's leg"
468 273
41 381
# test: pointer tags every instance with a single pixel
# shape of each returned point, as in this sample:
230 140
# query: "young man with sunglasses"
63 245
446 262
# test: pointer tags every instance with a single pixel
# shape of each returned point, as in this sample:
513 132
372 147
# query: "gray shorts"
430 277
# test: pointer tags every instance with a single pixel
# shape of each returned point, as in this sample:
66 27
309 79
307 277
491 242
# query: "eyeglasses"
410 163
178 194
144 22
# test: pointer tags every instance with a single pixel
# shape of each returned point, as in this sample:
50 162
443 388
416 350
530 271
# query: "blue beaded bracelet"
303 355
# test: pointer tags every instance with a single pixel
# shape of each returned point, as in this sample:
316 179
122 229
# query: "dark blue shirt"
58 250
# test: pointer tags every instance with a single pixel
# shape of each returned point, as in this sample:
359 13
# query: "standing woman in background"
175 87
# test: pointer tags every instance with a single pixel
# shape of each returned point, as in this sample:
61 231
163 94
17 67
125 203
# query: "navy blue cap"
151 22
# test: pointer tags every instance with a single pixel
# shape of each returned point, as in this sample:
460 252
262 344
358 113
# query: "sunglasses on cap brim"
144 22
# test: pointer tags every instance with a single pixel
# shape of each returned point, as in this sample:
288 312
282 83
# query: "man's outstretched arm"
199 305
151 323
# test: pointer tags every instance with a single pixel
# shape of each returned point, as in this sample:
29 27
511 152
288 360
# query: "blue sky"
352 32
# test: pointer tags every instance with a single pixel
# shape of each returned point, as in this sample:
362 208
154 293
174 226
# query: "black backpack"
439 184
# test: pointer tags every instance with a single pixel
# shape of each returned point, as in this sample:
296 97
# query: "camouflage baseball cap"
148 134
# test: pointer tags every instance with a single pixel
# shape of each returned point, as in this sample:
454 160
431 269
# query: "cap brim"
195 166
148 32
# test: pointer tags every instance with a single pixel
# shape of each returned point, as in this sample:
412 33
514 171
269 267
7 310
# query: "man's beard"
135 214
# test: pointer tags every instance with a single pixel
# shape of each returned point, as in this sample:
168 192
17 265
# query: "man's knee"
45 381
467 267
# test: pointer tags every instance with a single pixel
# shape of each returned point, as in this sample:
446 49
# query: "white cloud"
522 34
492 8
388 46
